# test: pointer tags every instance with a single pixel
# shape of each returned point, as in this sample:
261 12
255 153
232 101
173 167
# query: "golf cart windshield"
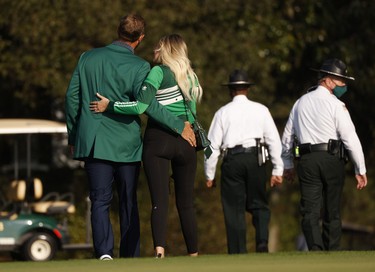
28 127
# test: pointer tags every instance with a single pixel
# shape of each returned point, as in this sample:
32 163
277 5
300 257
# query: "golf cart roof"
30 126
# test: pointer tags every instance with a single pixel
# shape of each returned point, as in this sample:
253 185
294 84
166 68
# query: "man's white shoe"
105 257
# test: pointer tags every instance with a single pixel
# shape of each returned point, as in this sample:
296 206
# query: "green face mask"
338 91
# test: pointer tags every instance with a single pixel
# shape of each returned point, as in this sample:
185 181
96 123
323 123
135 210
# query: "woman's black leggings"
162 148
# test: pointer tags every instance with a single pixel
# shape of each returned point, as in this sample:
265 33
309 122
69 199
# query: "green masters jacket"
115 72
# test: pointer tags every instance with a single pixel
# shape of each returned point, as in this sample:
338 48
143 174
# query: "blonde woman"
174 84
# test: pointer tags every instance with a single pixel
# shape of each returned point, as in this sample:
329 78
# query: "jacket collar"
123 44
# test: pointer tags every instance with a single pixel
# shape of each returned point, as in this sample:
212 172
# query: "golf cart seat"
20 190
16 194
36 188
17 191
51 203
54 203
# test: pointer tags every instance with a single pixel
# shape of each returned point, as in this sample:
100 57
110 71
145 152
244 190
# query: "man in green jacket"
110 144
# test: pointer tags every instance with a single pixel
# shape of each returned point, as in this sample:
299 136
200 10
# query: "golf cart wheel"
40 247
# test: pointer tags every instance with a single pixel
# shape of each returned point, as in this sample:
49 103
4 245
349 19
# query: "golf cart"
29 228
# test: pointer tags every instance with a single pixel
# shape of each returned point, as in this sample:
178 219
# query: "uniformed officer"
319 127
234 130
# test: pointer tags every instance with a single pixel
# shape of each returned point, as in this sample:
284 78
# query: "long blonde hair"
173 52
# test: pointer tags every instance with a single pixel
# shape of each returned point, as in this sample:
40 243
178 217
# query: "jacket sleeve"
73 103
146 102
128 108
132 107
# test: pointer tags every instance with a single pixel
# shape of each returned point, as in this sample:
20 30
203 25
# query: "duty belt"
333 147
309 148
238 149
319 147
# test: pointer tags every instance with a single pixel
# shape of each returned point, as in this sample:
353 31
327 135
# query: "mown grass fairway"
361 261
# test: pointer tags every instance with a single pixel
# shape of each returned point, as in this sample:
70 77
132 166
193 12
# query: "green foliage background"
275 41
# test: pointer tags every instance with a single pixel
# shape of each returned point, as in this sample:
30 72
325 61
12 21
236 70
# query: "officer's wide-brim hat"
237 78
334 67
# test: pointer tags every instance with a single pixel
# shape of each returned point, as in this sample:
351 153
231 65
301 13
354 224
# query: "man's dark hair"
131 27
